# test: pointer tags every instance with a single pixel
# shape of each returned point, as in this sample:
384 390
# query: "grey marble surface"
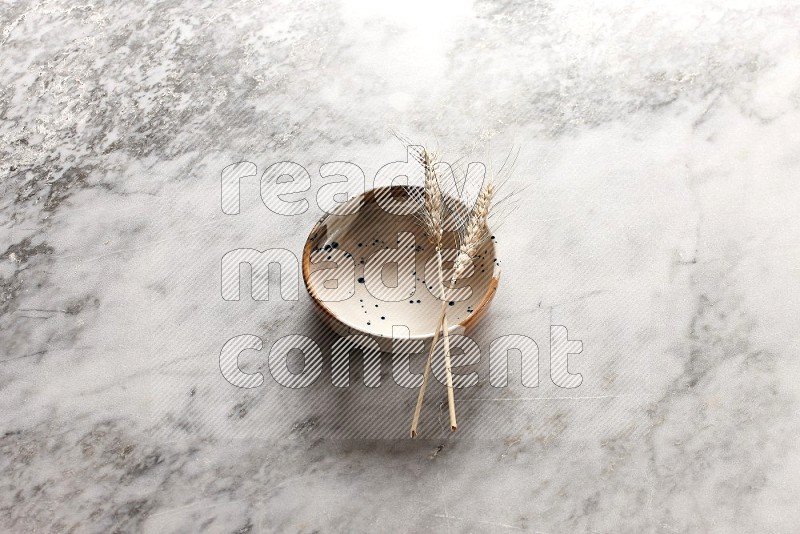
657 181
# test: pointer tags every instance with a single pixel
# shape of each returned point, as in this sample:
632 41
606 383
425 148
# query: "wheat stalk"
470 241
432 221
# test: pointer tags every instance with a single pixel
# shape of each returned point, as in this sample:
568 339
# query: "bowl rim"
368 197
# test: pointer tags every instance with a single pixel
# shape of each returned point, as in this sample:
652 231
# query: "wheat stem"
426 373
451 401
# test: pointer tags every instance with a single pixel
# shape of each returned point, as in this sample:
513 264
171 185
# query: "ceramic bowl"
341 267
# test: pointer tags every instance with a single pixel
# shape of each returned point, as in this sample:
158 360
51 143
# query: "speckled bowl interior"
359 229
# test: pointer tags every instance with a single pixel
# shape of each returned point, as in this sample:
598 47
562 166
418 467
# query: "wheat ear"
432 201
476 232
